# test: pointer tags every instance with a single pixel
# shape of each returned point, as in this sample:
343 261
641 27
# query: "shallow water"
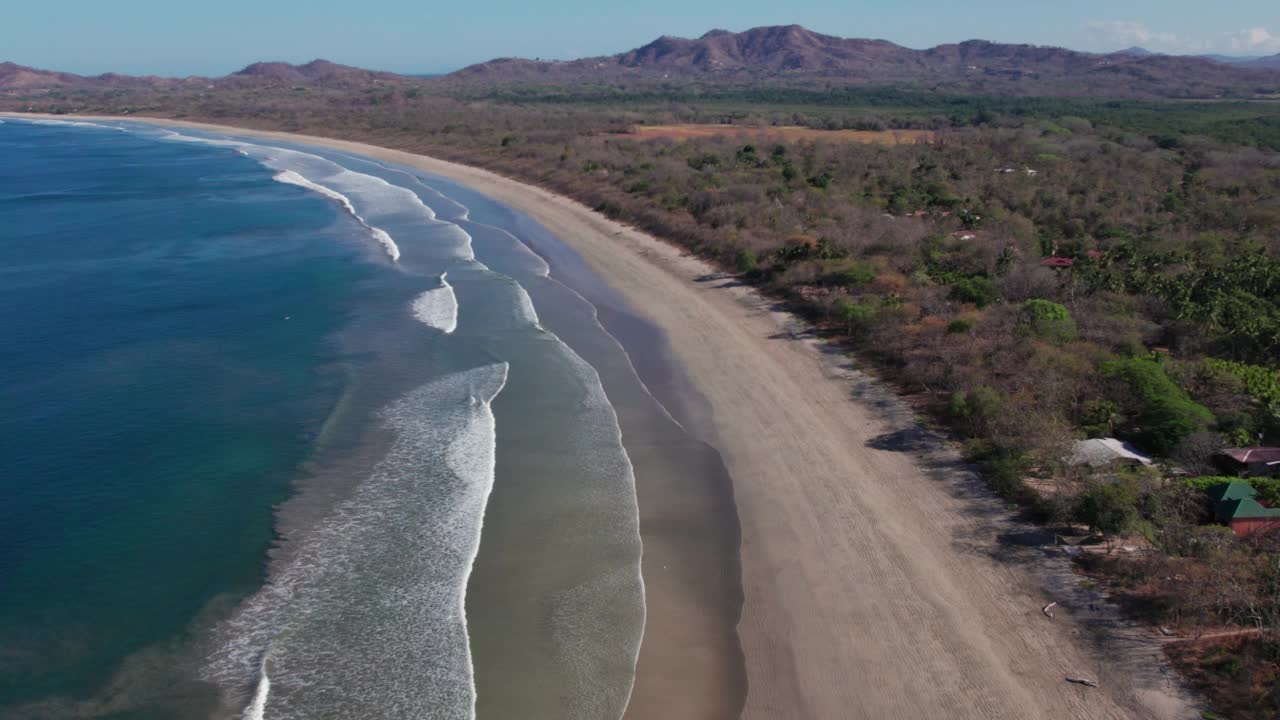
396 447
454 513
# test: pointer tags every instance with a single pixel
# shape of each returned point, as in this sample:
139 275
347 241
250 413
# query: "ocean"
290 433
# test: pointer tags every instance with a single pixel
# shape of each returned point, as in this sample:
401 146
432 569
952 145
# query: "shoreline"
871 566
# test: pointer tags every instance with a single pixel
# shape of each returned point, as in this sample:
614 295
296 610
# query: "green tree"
978 290
856 275
857 317
1164 414
1049 320
975 411
1111 509
1100 417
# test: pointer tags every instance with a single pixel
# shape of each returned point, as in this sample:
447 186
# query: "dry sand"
874 583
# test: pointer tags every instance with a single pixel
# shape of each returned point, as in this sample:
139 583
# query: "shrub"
960 326
1003 467
1164 413
701 162
1262 385
978 290
1049 320
857 317
1268 488
1109 509
856 276
611 209
1004 474
1100 417
746 261
821 180
974 411
1208 482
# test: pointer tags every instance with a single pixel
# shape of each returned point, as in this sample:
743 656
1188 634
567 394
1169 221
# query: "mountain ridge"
770 55
784 51
15 77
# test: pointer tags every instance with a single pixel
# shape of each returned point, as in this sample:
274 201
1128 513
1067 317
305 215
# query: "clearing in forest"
785 132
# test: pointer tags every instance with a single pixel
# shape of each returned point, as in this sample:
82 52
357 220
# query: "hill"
316 72
1271 61
776 56
20 79
792 52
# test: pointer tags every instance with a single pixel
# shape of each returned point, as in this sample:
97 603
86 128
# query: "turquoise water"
164 368
264 411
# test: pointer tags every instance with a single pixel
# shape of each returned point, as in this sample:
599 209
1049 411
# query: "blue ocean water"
264 409
165 365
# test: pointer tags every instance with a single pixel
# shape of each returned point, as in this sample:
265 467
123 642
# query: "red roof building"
1251 462
1057 262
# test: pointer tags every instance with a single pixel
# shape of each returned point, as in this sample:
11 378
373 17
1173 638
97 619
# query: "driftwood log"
1047 608
1083 681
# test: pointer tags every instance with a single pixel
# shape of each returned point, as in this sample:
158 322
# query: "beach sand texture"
871 589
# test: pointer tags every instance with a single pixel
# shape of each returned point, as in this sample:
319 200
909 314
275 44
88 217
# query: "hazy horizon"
393 35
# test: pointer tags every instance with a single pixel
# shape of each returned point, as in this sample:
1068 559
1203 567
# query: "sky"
181 37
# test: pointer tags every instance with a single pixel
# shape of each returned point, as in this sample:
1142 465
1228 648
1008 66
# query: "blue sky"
179 37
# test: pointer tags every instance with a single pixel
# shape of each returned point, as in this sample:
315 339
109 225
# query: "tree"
1100 417
856 317
1195 453
1111 509
1049 320
975 411
978 290
1164 413
746 261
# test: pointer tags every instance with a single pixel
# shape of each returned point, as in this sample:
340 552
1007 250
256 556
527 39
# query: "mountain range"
1269 61
774 55
795 52
15 77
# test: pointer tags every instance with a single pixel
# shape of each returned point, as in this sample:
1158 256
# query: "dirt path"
873 583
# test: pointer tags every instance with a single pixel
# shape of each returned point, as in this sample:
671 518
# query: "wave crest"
289 177
438 307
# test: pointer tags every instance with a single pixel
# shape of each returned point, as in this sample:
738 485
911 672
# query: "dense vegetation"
1045 271
861 108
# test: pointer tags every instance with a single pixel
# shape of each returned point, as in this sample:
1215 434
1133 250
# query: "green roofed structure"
1236 505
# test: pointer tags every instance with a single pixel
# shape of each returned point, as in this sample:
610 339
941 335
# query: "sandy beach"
871 581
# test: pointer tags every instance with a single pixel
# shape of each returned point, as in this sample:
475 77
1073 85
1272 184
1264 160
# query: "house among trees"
1100 452
1250 462
1236 505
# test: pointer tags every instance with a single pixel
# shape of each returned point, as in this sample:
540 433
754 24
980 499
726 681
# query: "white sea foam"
458 210
70 123
438 307
524 306
290 177
378 202
258 707
293 178
367 619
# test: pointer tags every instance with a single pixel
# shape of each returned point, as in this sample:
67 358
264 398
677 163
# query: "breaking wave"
69 123
379 204
438 307
368 617
290 177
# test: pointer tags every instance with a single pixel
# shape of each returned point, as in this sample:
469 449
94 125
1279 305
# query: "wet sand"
871 578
